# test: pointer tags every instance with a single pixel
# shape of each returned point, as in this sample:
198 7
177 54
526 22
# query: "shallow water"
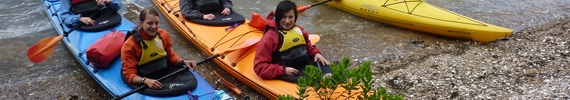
342 35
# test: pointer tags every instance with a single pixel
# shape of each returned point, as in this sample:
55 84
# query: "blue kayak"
110 78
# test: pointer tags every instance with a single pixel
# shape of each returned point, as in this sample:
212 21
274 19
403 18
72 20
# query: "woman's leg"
293 79
324 68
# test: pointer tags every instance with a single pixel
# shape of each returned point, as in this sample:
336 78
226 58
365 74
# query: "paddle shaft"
232 87
164 77
319 3
75 27
302 9
244 96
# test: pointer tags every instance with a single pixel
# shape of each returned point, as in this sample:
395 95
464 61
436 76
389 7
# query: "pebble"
530 65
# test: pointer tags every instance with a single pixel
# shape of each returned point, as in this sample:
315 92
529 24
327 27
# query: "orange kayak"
216 39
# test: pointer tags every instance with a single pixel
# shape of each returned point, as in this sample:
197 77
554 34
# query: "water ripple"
21 22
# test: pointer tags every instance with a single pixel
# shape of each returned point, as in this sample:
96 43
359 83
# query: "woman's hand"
320 58
190 64
101 2
153 84
87 21
291 71
226 11
208 16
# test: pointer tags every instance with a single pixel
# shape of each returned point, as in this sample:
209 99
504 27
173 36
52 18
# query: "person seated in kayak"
204 9
75 12
148 51
285 50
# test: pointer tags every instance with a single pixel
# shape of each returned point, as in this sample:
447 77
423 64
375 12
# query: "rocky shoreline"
531 64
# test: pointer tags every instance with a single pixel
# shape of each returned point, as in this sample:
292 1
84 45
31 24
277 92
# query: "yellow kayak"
214 40
422 16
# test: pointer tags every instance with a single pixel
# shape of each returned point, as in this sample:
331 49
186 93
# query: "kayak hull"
422 16
110 78
215 39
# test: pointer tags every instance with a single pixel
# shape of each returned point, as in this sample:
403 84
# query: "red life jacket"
73 2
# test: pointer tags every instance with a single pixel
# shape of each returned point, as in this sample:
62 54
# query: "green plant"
350 79
285 97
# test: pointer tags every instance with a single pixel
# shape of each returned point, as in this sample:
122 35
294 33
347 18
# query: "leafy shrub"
358 78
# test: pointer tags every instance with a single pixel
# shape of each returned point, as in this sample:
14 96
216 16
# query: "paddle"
258 22
231 86
303 8
247 43
43 49
314 38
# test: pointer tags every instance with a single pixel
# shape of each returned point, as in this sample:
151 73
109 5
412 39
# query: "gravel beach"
531 64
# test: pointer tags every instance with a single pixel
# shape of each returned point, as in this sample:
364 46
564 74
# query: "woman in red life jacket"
285 50
75 12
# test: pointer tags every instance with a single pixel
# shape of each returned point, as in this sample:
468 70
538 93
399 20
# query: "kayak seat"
107 19
176 85
220 20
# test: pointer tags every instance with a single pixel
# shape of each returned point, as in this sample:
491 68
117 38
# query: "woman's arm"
67 17
115 5
130 60
189 10
228 4
264 66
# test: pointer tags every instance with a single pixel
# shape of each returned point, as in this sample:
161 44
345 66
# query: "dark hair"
147 10
282 8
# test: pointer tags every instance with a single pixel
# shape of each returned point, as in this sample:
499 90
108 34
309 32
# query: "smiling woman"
147 55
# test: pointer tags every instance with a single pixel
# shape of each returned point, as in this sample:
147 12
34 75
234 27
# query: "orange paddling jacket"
131 53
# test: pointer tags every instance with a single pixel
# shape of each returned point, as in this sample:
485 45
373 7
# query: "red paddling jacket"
265 65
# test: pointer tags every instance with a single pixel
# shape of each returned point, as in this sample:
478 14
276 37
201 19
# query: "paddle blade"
228 84
314 38
247 43
42 50
301 9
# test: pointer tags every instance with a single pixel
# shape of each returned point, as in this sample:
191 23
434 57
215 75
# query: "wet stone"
529 66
